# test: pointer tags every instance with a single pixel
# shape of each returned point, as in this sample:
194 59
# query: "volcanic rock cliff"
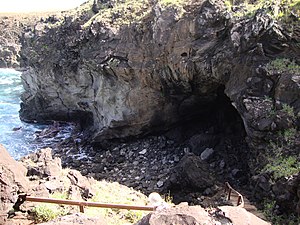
130 79
123 75
12 25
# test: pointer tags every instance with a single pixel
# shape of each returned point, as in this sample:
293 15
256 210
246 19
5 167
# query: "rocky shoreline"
152 163
41 175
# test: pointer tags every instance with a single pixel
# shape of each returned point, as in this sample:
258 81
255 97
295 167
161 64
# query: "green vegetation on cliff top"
279 9
116 13
283 65
124 12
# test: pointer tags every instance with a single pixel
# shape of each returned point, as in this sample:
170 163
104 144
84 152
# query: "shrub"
289 110
283 166
283 65
45 212
278 9
268 210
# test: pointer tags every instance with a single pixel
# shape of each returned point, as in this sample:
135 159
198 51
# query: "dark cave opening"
217 136
210 127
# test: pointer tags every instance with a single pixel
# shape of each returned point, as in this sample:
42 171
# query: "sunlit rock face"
121 81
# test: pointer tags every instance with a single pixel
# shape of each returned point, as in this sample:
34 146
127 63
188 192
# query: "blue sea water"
16 142
18 137
21 138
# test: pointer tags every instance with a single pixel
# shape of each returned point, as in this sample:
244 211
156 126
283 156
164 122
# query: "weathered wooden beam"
81 204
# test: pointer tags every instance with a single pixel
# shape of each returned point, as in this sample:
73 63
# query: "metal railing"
82 204
229 190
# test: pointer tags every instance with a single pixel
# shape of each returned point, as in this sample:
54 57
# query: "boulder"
240 216
181 214
84 184
287 193
42 164
13 181
190 174
49 176
206 154
196 215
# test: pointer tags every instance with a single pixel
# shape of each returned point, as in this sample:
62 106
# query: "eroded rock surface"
181 214
12 26
13 181
240 216
134 79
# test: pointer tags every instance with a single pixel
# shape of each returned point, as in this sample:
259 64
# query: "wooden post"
229 193
81 208
238 200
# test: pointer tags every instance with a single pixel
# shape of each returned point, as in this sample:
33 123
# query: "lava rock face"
9 44
122 82
146 76
12 183
12 25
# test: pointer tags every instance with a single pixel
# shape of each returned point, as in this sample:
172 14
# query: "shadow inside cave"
217 136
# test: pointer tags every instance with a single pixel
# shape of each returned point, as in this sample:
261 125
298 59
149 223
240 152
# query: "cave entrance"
217 135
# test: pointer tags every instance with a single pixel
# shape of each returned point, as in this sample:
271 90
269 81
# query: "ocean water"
21 138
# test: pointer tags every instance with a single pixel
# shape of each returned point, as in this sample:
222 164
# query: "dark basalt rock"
120 86
12 183
139 96
191 173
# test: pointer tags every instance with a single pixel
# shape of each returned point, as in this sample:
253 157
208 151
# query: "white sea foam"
18 137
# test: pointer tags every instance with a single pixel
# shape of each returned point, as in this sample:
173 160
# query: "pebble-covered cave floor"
143 164
146 163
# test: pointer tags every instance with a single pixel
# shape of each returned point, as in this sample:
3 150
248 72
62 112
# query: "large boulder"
13 181
196 215
287 193
190 174
240 216
48 176
182 214
42 164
